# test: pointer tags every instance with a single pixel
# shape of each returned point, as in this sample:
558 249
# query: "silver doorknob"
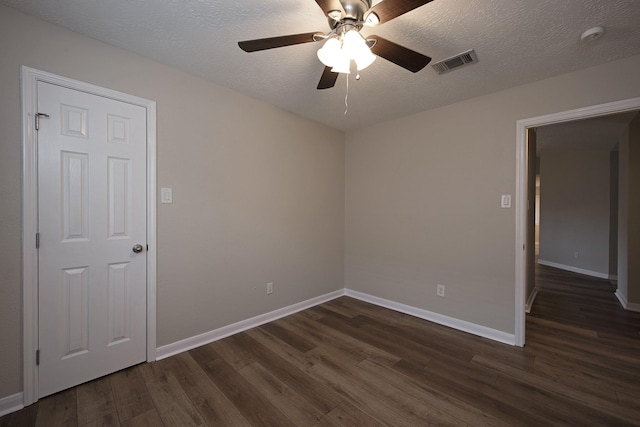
137 248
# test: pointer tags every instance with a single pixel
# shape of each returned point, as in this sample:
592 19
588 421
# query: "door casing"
521 190
29 81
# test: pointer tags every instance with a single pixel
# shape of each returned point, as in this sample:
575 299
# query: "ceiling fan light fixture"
342 63
338 53
328 53
356 47
364 59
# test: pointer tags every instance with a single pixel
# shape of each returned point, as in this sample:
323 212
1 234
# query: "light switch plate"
505 201
166 195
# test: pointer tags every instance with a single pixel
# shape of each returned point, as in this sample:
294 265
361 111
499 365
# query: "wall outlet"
440 290
576 254
269 288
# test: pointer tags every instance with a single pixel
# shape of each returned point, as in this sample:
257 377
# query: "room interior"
273 183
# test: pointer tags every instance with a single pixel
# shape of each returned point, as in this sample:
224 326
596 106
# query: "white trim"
521 190
632 306
243 325
530 300
573 269
461 325
622 298
11 404
625 303
29 79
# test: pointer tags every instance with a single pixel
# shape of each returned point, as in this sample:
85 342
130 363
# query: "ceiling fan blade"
389 9
330 5
273 42
328 79
399 55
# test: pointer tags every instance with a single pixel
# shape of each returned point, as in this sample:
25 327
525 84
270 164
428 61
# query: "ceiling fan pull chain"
346 98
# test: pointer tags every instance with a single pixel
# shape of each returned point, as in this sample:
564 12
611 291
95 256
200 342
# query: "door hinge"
38 115
37 357
37 240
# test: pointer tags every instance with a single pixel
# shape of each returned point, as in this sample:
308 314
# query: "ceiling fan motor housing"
346 19
354 10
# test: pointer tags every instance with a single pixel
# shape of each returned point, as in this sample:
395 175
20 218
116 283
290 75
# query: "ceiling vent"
460 60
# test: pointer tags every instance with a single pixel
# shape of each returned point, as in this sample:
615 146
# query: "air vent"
450 64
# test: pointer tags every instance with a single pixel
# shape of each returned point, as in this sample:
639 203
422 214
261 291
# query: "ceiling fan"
344 42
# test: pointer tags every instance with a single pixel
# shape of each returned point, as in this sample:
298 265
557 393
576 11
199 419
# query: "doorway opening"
523 254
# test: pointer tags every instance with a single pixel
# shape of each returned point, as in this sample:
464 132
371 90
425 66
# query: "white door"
91 213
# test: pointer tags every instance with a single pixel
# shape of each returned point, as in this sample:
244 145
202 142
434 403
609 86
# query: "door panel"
91 211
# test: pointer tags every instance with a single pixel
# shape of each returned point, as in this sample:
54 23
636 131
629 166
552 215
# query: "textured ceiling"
517 41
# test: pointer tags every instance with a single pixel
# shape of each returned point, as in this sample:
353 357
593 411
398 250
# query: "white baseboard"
440 319
625 303
530 300
243 325
11 404
225 331
574 269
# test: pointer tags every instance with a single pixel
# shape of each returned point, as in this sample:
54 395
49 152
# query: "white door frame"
521 188
29 83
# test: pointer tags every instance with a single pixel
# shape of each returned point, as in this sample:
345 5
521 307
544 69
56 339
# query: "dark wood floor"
348 363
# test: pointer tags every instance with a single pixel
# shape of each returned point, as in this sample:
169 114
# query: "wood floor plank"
173 405
380 339
150 418
348 345
293 339
130 394
362 398
106 420
432 397
207 398
478 395
290 403
60 409
95 400
591 407
306 386
347 415
254 406
281 348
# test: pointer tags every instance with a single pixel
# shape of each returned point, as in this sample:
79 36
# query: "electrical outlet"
576 254
269 288
440 291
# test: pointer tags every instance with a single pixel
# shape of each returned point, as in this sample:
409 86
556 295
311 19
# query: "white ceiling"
517 41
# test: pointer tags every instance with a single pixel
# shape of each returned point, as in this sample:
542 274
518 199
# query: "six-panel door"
91 212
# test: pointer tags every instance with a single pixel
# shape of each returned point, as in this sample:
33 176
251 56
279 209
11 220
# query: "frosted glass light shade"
338 53
364 58
342 63
329 53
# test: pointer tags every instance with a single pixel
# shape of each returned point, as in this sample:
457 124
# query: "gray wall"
623 214
258 192
423 195
629 216
614 172
574 208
